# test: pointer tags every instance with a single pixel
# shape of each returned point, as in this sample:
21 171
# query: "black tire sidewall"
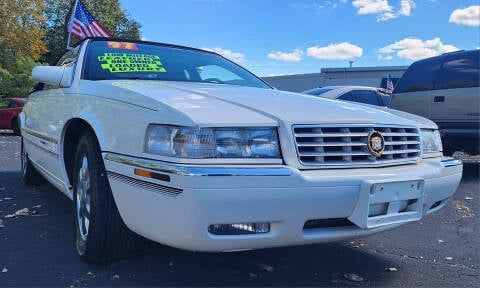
98 188
15 127
29 173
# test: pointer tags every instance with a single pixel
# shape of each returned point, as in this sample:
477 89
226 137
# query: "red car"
9 110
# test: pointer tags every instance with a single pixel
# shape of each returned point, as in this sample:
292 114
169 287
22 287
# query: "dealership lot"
36 249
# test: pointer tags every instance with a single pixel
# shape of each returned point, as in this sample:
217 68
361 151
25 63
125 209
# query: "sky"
280 37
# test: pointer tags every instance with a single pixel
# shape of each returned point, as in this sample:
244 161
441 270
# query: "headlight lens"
431 141
186 142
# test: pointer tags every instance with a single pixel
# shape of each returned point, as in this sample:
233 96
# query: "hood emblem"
376 143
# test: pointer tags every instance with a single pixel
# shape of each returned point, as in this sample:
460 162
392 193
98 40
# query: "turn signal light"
153 175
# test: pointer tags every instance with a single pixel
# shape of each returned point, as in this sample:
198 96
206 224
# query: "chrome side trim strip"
45 147
449 162
197 170
38 135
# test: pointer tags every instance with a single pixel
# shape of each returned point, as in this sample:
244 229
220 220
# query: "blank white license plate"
388 202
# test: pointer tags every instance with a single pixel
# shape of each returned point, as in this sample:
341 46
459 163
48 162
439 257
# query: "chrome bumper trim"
449 162
197 170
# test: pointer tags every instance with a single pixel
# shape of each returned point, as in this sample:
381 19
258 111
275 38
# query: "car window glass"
69 58
459 70
111 60
347 96
365 96
4 104
383 98
12 104
318 91
217 74
420 75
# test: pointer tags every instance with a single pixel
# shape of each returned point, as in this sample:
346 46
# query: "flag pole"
70 25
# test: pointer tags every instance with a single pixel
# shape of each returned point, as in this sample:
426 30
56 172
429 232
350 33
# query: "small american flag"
389 84
82 24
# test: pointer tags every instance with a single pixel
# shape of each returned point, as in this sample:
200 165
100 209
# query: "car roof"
337 91
146 42
351 87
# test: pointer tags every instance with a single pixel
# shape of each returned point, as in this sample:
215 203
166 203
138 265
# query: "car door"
456 95
413 92
8 109
366 96
45 116
4 114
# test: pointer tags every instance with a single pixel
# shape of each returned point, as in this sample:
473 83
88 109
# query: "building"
361 76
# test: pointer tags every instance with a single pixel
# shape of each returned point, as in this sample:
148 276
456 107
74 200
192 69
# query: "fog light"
239 228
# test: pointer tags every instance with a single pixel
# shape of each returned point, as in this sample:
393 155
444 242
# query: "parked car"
9 110
190 150
361 94
446 90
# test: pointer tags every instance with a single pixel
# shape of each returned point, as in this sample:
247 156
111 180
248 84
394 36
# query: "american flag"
389 84
82 24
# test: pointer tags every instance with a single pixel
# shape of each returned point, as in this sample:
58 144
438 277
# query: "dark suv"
445 89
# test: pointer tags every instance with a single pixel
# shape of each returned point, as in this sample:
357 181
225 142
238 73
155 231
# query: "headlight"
186 142
431 141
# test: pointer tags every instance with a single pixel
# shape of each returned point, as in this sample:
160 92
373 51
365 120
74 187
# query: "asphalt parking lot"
36 249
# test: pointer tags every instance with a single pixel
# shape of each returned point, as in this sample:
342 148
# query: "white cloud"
406 7
386 57
234 56
296 55
382 8
415 49
372 6
469 16
338 51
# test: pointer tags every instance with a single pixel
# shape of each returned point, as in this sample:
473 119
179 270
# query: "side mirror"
55 75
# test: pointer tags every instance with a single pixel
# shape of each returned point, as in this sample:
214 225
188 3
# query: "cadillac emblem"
376 143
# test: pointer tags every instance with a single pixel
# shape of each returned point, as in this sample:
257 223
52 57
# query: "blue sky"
282 37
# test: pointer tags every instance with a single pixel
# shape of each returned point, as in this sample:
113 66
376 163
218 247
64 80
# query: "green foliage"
107 12
17 82
38 28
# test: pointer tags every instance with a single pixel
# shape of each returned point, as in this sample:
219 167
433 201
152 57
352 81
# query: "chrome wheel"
83 198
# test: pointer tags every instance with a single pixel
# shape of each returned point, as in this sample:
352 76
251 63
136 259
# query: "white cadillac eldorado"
190 150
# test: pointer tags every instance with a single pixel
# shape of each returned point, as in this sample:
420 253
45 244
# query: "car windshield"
112 60
318 91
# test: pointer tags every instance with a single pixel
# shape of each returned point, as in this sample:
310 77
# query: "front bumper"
179 211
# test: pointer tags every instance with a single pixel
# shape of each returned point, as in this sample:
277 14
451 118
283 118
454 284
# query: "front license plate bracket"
383 203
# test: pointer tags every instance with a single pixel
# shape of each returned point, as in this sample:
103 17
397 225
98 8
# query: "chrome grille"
346 145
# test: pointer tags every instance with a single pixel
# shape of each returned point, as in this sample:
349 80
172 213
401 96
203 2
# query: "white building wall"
359 76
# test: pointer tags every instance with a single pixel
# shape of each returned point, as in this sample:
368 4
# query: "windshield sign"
113 60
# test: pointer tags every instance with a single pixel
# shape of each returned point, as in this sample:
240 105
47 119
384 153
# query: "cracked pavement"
37 249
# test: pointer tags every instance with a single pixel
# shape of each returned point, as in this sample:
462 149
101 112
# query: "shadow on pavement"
38 250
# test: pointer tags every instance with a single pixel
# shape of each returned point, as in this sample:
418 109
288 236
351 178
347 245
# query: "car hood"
216 104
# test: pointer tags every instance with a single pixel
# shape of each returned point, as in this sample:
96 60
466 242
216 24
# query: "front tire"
15 127
100 233
30 175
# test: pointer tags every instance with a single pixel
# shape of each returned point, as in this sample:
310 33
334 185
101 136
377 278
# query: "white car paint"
283 192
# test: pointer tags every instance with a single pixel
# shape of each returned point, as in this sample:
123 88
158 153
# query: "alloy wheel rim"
83 199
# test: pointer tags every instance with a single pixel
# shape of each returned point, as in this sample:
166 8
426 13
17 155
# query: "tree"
17 82
21 31
107 12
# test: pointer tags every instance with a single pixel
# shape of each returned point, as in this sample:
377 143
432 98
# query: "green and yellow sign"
126 62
